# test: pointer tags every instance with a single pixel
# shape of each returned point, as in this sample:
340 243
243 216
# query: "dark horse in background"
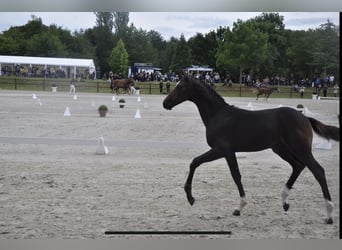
285 130
265 91
125 84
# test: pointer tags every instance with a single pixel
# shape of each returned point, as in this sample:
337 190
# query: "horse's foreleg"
211 155
235 172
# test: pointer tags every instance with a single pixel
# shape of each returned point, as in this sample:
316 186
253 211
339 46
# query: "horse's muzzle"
167 105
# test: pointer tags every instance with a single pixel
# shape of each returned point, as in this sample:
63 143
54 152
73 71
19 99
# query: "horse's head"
131 81
180 93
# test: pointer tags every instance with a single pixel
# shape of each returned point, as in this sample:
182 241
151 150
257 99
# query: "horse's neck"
208 103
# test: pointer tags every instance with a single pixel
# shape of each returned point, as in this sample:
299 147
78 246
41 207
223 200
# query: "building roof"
49 61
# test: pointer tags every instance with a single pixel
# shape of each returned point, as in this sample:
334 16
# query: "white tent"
48 62
196 68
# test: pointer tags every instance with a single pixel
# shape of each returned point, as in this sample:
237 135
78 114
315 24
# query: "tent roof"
199 68
89 63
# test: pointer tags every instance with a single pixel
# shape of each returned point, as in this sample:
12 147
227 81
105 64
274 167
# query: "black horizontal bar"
168 232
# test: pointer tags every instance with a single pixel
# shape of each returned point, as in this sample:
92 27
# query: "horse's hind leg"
319 173
297 168
298 165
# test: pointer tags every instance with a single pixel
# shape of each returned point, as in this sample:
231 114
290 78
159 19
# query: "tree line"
261 47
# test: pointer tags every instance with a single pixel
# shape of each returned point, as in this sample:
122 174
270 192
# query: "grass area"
101 86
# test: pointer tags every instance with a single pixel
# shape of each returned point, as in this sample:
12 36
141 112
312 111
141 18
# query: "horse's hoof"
236 212
191 200
286 207
329 221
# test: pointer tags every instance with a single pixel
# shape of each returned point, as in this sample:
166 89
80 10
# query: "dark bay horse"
228 130
265 91
125 84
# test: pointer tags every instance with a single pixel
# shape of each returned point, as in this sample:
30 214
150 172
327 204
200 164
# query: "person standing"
301 91
161 86
72 90
168 84
325 89
331 80
336 90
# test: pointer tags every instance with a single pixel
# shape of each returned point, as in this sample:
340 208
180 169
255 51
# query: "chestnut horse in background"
125 84
265 91
228 130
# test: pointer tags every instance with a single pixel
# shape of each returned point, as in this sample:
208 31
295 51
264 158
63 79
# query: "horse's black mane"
211 89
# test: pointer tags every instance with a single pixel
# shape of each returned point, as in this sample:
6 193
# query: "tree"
326 52
8 45
105 20
80 46
103 39
118 59
182 57
121 20
170 52
46 44
139 47
273 25
299 54
198 47
158 44
245 46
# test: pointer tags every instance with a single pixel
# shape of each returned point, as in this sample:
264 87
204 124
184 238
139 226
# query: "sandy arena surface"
53 185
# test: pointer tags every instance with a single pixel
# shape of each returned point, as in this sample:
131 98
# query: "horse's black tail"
326 131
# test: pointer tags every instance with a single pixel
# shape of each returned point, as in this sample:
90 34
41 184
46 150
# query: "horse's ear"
185 74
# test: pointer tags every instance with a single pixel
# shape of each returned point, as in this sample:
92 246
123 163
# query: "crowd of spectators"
42 71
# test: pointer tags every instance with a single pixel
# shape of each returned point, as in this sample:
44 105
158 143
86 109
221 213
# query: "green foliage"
245 46
37 39
121 20
46 44
260 46
182 57
118 59
103 39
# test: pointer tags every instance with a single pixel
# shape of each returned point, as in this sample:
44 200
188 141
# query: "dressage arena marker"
250 106
137 114
101 148
326 145
113 98
92 104
307 111
67 112
34 97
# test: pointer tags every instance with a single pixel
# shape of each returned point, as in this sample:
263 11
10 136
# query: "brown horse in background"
265 91
125 84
